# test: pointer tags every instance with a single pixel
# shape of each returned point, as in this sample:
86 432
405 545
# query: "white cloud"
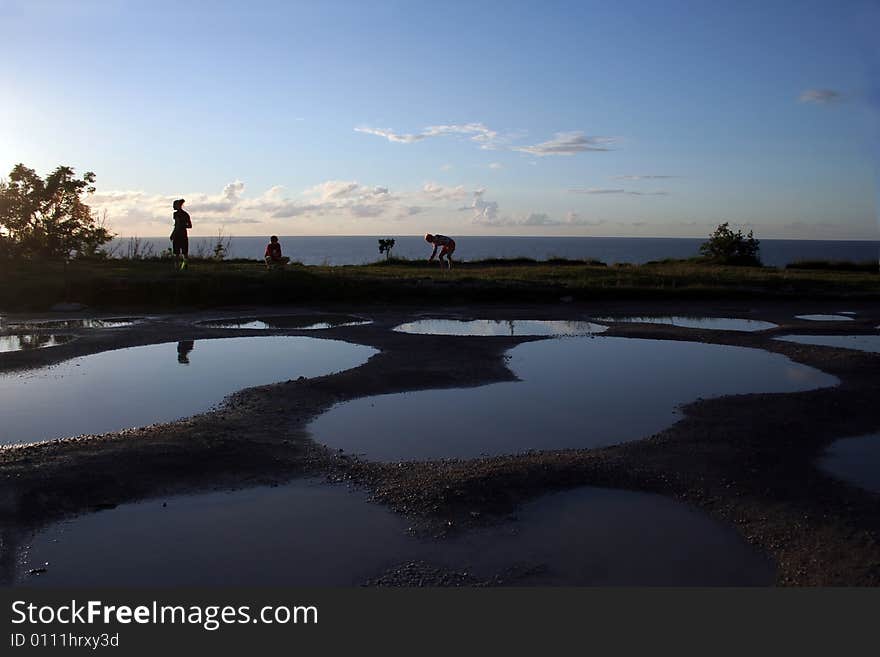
390 135
650 177
477 132
570 219
133 212
496 165
484 212
436 192
568 143
563 143
622 192
819 96
446 167
233 191
539 219
575 219
487 138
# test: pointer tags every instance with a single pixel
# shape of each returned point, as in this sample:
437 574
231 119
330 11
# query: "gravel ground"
745 459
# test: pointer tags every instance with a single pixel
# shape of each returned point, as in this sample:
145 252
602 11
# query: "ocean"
359 250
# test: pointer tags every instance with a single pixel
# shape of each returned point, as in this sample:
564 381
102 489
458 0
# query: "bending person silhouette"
447 247
179 237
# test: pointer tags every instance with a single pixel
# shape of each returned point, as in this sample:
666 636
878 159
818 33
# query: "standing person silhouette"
179 238
448 247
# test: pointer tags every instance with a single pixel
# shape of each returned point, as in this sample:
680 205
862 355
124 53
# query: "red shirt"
273 250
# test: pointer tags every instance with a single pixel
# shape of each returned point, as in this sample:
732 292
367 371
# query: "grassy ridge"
153 284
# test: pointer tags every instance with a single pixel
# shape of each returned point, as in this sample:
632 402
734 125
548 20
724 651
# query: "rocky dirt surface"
745 459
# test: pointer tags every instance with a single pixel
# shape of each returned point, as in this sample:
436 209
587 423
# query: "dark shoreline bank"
136 286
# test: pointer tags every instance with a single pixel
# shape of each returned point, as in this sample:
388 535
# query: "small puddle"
28 341
825 318
310 534
114 322
855 460
299 534
301 322
708 323
492 327
157 383
573 393
870 343
603 537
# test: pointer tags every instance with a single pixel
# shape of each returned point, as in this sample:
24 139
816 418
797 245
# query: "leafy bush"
385 247
731 248
47 218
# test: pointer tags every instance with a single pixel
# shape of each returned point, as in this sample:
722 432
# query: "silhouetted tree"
385 247
731 248
48 218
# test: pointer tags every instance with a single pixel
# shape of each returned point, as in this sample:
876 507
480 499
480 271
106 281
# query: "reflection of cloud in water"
572 393
26 342
114 322
697 322
869 343
137 386
499 327
825 318
286 322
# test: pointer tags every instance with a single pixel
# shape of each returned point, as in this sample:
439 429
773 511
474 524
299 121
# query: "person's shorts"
448 249
180 244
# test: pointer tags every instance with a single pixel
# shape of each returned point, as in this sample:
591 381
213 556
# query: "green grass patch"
154 284
871 266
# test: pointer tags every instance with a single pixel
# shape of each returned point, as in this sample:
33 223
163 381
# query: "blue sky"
550 118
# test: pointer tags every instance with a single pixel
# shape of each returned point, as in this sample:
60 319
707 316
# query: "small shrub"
385 247
727 247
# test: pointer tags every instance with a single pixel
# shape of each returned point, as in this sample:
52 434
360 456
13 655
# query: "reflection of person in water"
183 349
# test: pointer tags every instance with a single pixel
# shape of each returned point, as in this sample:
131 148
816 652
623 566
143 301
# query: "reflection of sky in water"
487 327
708 323
285 323
825 318
855 460
116 322
869 343
24 342
308 534
156 383
574 392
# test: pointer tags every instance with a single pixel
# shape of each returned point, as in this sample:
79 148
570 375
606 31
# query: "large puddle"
825 318
870 343
113 322
708 323
157 383
573 393
302 322
308 534
855 460
492 327
28 341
